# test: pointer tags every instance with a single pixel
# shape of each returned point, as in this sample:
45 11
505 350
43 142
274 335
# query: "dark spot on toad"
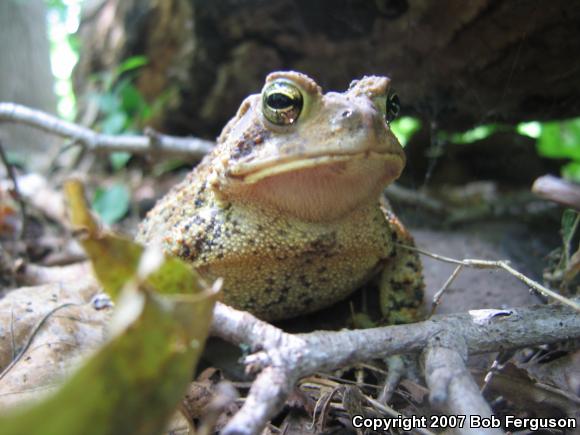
411 265
304 281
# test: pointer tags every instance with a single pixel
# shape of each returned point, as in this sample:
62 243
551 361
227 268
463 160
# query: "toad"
286 208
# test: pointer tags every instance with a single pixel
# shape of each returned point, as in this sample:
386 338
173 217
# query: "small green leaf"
119 159
131 99
404 128
108 102
114 123
112 204
132 63
560 139
531 129
571 171
475 134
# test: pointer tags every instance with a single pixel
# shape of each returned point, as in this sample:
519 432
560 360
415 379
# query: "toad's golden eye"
282 102
393 107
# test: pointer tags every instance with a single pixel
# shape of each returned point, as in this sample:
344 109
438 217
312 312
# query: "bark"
25 75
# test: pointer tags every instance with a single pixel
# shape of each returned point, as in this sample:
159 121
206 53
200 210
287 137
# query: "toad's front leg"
401 282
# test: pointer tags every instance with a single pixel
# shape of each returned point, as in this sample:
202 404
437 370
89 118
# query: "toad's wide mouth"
253 172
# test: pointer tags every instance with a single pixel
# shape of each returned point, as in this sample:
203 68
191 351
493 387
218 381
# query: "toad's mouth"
316 187
253 172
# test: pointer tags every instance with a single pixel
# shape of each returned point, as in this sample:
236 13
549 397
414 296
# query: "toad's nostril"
347 113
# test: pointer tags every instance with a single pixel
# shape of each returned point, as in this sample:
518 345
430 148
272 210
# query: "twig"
93 141
17 196
31 337
439 294
490 264
453 390
284 358
396 366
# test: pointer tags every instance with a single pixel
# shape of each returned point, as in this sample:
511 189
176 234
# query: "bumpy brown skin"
289 215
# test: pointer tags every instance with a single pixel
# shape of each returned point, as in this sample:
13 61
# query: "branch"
453 390
284 358
93 141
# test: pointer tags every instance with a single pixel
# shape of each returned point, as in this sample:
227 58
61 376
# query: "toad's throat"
250 173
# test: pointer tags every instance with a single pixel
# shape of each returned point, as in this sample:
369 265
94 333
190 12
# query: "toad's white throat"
319 188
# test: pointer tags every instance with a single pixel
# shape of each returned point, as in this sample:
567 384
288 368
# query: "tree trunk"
26 76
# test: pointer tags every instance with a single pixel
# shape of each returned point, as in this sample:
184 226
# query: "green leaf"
475 134
108 102
404 128
134 383
531 129
131 99
571 171
132 63
114 123
119 159
112 204
560 139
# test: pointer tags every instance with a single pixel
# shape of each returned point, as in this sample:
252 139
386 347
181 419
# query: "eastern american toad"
286 207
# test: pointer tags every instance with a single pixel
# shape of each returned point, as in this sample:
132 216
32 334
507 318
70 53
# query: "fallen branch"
93 141
558 190
452 389
284 358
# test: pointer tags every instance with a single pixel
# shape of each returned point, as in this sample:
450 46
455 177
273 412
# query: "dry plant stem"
452 389
284 358
437 297
31 337
501 264
18 197
93 141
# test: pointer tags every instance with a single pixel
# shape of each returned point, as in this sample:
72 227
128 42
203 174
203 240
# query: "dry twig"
284 358
93 141
490 264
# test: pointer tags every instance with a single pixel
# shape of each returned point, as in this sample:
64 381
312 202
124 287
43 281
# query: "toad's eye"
282 102
393 107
